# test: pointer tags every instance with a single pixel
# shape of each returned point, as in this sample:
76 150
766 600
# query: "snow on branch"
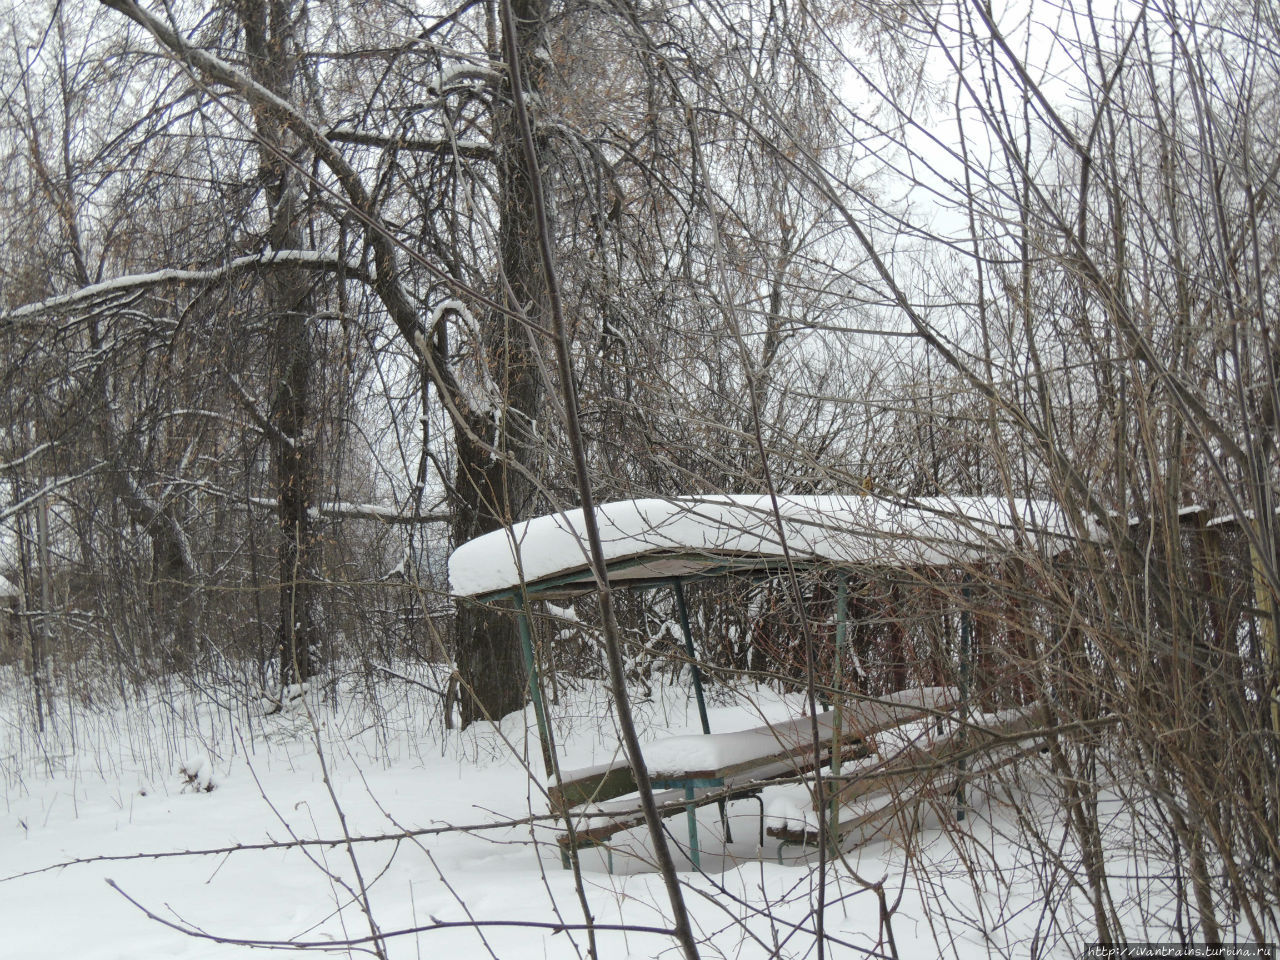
342 510
52 486
470 367
468 149
18 461
119 286
461 75
210 68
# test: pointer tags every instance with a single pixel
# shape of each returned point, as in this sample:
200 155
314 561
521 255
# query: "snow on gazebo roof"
655 540
7 589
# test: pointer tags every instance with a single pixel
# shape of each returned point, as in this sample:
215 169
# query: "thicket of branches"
277 333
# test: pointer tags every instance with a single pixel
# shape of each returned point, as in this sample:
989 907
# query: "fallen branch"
360 941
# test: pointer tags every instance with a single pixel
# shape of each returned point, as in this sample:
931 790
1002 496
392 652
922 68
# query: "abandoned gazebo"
867 744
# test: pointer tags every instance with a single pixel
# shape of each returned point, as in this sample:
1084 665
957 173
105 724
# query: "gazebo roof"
659 540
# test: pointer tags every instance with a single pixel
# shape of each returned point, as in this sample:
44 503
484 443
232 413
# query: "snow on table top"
704 531
677 756
674 757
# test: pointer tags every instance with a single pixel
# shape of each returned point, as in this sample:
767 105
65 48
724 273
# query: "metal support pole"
535 684
683 610
690 809
966 656
842 633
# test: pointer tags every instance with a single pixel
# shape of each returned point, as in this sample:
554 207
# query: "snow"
470 366
455 74
197 774
1240 518
113 782
674 757
7 589
118 286
684 535
381 512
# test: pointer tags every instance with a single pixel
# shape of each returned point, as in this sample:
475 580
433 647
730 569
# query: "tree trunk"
272 55
489 493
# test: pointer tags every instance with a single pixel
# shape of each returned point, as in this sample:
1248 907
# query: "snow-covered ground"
194 771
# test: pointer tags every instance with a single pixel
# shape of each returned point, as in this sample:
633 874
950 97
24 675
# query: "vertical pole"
842 632
693 658
690 809
683 610
966 655
535 685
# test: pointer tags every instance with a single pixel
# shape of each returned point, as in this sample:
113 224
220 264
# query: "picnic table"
691 771
922 766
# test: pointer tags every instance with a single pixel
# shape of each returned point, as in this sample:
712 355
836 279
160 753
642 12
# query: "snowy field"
196 771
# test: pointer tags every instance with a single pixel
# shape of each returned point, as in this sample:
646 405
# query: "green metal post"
693 657
683 610
966 655
690 808
842 632
535 683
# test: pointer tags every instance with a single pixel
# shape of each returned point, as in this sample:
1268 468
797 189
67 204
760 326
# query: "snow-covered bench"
690 771
921 768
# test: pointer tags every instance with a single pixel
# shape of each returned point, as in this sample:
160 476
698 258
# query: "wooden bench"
691 771
920 771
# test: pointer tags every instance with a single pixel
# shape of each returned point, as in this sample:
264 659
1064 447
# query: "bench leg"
566 854
691 813
783 844
802 843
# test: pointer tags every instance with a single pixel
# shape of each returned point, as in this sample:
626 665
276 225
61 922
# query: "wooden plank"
864 718
594 785
593 836
916 764
868 824
622 815
783 763
794 738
